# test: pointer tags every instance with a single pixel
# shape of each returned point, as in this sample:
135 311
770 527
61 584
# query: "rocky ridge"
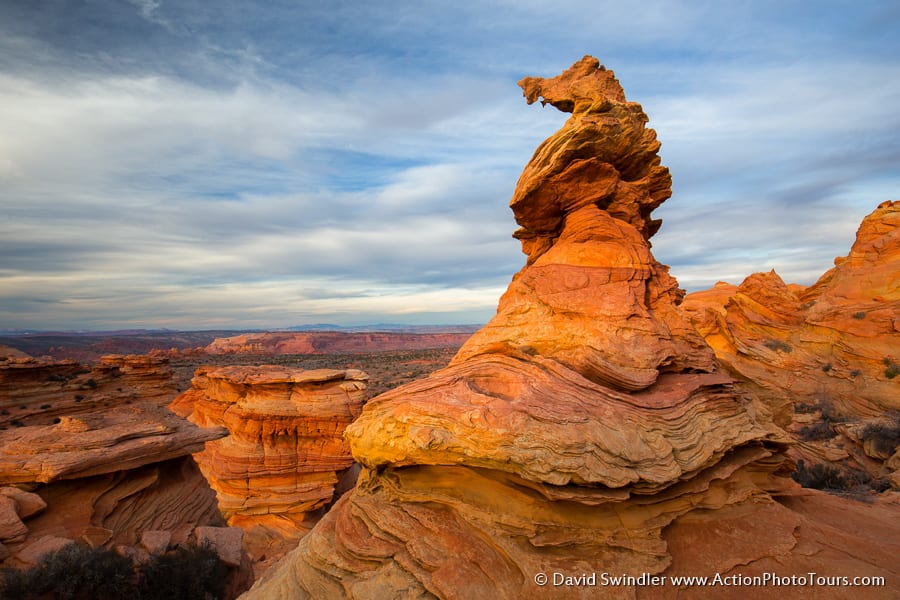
823 359
585 428
332 342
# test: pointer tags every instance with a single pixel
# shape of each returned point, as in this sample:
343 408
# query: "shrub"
826 368
855 373
817 432
885 437
777 345
830 478
803 408
78 572
859 315
45 406
892 371
75 572
188 573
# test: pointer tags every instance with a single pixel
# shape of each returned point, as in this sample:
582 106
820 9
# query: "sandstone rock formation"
332 342
92 454
583 430
830 351
285 453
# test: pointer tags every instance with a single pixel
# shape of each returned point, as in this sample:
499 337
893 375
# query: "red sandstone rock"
285 452
104 459
831 345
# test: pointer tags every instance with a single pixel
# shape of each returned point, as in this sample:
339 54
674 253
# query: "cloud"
182 164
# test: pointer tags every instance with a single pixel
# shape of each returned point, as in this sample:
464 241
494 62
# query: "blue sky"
264 164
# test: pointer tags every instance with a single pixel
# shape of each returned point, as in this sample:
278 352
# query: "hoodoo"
584 430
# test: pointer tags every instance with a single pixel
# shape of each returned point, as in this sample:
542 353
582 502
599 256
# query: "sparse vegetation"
830 478
185 574
78 572
75 572
826 368
817 432
859 315
46 406
855 373
892 370
884 437
777 345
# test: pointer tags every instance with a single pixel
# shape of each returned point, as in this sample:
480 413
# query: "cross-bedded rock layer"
833 347
285 451
98 451
576 430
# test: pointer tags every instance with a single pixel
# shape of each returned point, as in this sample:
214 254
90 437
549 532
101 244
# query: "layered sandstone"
285 451
96 448
584 429
332 342
829 350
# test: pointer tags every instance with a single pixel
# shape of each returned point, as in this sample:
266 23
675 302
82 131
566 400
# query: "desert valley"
602 424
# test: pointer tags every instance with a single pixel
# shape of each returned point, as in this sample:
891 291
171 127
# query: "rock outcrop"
332 342
583 430
824 358
285 453
92 454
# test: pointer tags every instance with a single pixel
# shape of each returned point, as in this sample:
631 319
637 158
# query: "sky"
199 165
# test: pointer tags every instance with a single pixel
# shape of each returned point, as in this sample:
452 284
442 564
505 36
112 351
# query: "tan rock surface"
285 452
584 429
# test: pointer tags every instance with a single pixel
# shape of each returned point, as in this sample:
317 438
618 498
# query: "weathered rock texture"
332 342
93 454
582 429
831 350
285 453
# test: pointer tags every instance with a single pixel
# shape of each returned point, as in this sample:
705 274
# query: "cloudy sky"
194 164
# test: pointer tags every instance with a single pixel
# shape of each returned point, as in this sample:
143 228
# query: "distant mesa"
333 342
587 427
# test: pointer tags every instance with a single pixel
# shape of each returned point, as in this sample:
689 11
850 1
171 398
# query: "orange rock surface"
99 452
332 342
584 429
832 339
285 452
834 345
